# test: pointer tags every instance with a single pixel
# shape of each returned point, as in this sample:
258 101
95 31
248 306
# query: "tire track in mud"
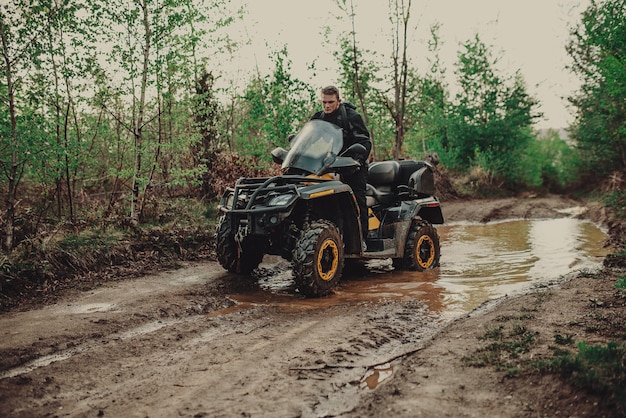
255 360
307 366
63 355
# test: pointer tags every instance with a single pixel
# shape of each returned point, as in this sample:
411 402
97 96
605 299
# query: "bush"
229 167
616 201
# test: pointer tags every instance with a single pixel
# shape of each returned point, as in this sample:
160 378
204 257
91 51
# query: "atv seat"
384 177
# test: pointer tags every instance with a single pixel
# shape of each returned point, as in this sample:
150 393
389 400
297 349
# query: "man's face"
330 102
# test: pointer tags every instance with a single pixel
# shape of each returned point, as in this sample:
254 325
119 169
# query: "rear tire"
230 256
318 259
422 250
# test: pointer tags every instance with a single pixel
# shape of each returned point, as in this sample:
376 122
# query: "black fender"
429 209
400 218
335 201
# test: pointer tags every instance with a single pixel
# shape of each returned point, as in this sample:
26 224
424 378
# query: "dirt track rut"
175 345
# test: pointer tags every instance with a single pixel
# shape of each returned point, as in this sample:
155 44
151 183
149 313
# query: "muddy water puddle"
479 262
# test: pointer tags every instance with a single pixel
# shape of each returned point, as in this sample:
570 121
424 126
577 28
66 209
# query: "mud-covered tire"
228 253
422 249
318 259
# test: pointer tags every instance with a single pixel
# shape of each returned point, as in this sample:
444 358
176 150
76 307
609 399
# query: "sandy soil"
177 344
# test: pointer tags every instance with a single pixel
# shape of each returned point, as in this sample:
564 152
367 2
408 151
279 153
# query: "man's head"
330 99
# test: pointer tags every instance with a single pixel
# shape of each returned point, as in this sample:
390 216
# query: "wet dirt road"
173 345
198 342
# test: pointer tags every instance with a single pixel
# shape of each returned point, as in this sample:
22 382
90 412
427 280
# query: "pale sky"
527 35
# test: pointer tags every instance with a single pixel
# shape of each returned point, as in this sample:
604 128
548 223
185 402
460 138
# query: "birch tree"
22 36
154 45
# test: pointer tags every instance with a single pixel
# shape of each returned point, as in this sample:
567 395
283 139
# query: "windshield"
315 147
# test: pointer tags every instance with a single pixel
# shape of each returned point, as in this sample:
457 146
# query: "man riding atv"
308 216
346 117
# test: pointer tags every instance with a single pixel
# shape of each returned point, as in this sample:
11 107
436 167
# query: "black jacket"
347 118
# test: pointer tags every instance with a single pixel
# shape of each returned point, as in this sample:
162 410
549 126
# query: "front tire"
318 259
422 250
230 256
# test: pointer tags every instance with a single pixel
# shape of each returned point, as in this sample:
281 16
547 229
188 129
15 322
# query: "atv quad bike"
309 217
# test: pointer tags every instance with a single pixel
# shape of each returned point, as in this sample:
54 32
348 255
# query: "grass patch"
616 201
504 350
564 340
90 240
522 317
597 369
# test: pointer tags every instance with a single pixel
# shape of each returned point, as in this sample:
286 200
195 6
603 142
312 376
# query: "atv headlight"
229 200
281 200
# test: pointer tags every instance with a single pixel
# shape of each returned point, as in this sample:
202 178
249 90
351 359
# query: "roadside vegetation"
113 158
588 352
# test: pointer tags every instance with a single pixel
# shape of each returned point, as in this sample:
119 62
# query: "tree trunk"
13 170
135 213
357 83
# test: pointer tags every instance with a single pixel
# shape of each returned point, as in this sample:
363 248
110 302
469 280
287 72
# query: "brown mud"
180 343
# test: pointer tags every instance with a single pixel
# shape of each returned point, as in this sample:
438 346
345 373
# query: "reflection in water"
479 262
376 375
482 262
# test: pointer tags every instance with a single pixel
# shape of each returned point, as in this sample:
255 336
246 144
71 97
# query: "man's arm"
360 132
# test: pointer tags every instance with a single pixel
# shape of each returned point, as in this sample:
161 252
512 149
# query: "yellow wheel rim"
425 251
327 260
